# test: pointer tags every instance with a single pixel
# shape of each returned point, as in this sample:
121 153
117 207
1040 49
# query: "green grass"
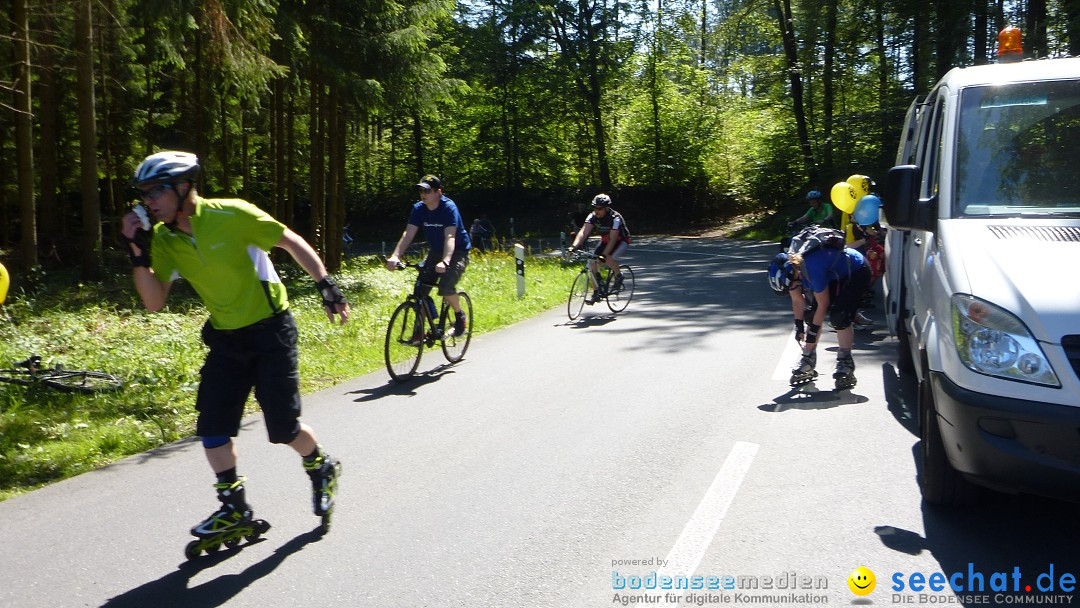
46 435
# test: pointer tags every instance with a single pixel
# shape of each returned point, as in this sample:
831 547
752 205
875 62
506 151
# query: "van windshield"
1016 149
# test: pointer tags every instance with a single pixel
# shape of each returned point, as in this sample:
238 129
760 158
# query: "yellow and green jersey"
225 259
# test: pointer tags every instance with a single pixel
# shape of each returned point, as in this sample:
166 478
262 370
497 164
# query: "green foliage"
47 435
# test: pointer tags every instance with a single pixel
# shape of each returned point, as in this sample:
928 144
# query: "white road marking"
689 549
788 359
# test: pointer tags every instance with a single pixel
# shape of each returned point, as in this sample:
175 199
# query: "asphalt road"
557 462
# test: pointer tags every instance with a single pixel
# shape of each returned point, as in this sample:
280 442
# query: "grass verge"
46 435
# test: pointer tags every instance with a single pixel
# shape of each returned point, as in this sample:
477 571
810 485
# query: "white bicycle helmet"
166 168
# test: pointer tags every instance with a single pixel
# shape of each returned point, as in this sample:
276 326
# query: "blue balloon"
866 210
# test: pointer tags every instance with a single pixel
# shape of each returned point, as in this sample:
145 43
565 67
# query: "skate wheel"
232 542
192 550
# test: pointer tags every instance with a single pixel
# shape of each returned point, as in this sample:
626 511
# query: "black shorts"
846 294
448 280
262 356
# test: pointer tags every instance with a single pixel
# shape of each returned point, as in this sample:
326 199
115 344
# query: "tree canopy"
325 113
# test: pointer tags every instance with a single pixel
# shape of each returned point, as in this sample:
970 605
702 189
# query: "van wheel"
940 483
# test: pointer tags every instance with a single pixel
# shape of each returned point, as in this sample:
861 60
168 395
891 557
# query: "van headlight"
993 341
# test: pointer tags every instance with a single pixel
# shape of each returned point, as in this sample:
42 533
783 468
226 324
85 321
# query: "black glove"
812 332
331 295
142 241
800 330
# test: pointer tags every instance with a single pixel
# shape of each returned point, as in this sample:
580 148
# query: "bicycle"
617 296
30 372
406 336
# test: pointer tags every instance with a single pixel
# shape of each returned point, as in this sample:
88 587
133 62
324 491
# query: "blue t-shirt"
434 223
827 264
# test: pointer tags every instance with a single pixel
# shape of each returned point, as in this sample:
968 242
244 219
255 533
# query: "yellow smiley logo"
861 581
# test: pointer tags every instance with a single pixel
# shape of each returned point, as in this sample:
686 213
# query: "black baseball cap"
430 181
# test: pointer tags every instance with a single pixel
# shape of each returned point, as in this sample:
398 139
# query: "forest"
326 112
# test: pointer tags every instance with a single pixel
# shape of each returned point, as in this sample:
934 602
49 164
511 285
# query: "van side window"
932 150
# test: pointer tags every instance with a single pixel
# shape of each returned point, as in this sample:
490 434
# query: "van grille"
1071 344
1060 234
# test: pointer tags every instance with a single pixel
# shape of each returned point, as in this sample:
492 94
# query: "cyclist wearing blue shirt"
448 246
837 277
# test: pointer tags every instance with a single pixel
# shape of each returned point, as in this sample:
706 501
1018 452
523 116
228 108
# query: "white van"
982 286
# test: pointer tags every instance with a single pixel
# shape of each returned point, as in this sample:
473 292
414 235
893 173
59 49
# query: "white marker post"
519 262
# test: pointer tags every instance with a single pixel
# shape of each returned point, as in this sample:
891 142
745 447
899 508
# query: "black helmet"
166 168
601 200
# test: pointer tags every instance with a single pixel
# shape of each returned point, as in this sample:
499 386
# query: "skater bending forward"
837 277
220 247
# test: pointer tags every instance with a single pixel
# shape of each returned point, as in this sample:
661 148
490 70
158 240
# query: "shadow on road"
1002 534
172 589
809 397
404 389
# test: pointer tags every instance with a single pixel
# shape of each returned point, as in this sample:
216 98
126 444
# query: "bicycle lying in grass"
30 372
616 293
413 326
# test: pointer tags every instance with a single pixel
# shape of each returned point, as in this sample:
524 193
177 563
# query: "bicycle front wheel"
78 381
579 292
618 298
22 377
404 341
454 347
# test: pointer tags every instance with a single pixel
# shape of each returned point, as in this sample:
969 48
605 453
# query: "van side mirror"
900 196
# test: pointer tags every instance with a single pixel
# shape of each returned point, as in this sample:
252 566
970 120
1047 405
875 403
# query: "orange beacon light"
1010 44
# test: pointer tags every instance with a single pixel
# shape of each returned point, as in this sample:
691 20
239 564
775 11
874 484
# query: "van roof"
1021 71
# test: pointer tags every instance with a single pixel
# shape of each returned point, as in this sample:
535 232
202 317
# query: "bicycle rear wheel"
454 347
579 292
619 299
404 341
80 381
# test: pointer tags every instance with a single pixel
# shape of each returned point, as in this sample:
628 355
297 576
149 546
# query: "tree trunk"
1035 26
418 143
223 126
331 237
317 176
91 201
245 154
49 121
787 31
981 10
24 144
828 83
290 157
1072 25
887 137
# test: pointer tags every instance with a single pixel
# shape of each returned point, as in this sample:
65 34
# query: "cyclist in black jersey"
614 238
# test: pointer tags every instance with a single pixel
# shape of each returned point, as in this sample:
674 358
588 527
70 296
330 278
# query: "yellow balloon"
5 280
861 183
843 196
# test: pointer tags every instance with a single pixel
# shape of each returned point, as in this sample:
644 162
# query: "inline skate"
804 372
228 525
324 472
844 376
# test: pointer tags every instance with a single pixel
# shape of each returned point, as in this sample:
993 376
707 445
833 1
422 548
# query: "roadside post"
519 263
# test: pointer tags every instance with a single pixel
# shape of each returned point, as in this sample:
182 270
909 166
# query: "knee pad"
840 319
215 441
